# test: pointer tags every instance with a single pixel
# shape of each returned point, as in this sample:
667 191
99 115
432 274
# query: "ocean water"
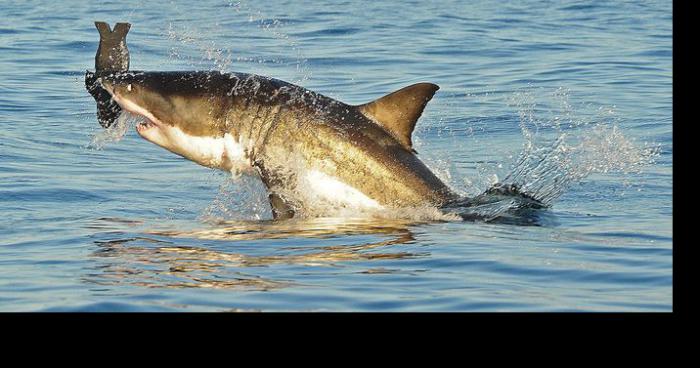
570 99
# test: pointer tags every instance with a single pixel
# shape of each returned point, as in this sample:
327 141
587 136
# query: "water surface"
530 91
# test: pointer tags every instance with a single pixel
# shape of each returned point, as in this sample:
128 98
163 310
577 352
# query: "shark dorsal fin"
398 111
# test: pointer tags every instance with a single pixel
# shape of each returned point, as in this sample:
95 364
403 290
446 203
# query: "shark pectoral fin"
398 111
281 209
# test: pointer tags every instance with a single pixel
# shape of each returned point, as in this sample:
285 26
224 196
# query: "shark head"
181 112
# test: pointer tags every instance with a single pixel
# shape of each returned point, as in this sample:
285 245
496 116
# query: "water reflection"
170 258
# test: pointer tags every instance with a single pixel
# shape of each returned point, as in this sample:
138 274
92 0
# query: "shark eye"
128 87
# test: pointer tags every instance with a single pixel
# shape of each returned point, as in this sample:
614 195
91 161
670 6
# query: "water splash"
240 197
116 132
274 27
563 144
214 56
565 148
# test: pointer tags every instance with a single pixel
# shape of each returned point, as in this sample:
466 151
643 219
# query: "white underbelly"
224 153
322 187
315 188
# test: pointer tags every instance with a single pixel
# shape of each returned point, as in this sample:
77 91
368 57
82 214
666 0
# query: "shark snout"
119 91
115 88
109 87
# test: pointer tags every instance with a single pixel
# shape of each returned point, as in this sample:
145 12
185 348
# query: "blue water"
88 223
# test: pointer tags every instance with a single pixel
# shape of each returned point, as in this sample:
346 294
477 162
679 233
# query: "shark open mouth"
149 120
145 125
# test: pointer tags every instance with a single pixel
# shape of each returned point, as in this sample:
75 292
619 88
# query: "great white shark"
311 151
307 148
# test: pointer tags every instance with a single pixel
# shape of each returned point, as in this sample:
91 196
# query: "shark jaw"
225 153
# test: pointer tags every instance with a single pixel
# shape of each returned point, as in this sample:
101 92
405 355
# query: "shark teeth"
145 125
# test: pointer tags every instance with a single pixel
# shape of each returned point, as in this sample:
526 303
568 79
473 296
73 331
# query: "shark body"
307 148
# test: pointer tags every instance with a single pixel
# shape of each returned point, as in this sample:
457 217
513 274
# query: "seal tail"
112 56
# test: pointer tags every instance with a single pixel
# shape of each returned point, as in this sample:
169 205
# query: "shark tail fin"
398 111
502 203
501 191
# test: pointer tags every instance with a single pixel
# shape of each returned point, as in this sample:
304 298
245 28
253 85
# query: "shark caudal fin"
501 191
398 111
504 203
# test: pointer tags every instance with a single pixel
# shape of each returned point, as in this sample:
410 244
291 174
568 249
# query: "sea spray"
562 149
212 55
116 132
240 197
562 144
